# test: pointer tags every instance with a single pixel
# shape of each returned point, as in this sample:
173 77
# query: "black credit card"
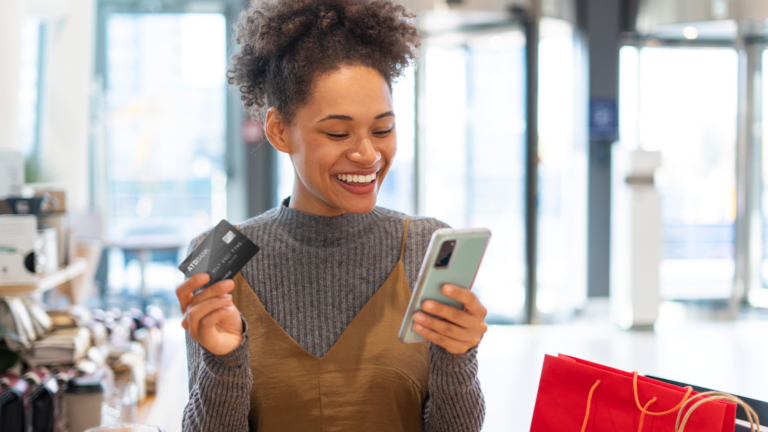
221 254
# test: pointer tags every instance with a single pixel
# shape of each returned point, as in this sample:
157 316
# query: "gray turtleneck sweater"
313 274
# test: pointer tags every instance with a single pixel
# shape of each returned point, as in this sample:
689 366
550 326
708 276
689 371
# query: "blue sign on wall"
603 120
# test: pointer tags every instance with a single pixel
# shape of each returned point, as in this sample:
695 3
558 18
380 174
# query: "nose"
365 153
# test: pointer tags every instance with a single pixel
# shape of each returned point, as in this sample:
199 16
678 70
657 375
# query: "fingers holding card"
221 254
210 317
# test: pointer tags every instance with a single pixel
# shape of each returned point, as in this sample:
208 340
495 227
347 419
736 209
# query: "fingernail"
449 289
419 318
417 327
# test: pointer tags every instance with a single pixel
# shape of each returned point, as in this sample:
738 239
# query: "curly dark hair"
284 45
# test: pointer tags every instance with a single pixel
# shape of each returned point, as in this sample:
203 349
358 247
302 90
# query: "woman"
305 337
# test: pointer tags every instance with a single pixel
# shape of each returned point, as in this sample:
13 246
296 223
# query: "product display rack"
76 268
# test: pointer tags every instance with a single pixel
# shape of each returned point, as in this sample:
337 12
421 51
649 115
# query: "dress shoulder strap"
405 235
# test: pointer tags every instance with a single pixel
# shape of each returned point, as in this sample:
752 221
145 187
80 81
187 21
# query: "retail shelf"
77 268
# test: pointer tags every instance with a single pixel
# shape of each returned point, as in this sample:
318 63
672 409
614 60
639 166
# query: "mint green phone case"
461 271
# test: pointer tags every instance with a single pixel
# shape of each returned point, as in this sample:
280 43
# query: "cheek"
317 158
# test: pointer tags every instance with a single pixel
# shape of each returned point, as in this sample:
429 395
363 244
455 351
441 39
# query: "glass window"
472 155
397 191
166 116
285 176
165 144
562 210
29 85
764 166
686 108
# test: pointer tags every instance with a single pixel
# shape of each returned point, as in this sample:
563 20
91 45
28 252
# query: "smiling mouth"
356 180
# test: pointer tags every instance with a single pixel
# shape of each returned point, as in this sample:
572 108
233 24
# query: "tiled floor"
728 356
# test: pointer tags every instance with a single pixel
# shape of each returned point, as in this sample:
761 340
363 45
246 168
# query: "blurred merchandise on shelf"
75 368
47 250
15 317
13 392
73 316
65 240
42 400
57 192
84 396
80 288
11 172
18 238
41 321
60 347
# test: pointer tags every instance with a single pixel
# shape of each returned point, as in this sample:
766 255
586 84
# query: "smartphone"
453 257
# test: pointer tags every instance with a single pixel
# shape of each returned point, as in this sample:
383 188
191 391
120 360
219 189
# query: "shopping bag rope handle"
589 404
679 427
642 415
754 421
650 413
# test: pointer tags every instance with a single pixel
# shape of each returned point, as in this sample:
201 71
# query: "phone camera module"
444 256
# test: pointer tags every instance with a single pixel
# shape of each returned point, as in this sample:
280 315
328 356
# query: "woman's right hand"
210 317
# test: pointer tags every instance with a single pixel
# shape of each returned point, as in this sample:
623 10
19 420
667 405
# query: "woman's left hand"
461 329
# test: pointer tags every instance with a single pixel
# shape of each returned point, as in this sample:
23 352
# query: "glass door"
472 153
166 116
763 299
685 102
562 175
165 97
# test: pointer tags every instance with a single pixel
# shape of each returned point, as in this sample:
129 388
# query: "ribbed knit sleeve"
219 387
455 400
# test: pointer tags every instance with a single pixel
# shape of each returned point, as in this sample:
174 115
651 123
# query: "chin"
359 205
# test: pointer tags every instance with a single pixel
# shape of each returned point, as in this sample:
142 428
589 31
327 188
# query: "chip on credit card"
221 254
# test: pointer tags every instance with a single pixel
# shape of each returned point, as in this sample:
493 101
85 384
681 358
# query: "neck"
322 231
303 200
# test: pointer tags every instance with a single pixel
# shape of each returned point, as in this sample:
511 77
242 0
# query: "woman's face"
342 142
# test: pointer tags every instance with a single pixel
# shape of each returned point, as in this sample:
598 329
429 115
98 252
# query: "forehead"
350 90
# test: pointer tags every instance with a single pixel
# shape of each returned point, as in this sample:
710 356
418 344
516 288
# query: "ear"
274 128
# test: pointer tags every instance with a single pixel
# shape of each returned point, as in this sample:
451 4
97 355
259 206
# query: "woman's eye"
337 136
383 133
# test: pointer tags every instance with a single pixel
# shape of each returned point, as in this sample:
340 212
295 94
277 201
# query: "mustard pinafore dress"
369 380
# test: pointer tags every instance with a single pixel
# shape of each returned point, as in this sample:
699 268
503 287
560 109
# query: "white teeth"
354 178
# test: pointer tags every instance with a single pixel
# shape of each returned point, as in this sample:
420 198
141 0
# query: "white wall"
65 122
11 17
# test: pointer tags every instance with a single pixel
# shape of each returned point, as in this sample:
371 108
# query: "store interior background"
519 117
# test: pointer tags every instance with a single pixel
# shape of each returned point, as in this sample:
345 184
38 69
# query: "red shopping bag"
577 395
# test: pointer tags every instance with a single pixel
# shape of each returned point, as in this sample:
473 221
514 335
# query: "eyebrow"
348 118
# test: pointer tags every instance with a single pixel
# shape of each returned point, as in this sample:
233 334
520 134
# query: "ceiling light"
690 33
